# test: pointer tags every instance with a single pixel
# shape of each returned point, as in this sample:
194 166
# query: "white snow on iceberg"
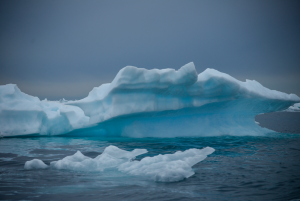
162 168
148 103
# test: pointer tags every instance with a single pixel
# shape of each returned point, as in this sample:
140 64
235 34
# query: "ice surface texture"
148 103
162 168
21 114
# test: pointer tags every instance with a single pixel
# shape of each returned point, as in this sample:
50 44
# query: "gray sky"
62 49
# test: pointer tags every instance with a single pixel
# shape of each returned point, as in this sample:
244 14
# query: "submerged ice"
148 103
162 168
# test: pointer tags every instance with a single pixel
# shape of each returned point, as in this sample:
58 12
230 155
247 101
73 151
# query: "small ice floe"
161 168
35 164
293 108
257 122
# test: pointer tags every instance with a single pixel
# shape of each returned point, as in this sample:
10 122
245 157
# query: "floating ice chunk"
162 168
35 164
168 167
75 162
111 157
294 108
119 153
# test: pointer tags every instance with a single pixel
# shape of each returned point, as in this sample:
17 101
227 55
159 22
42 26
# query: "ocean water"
241 168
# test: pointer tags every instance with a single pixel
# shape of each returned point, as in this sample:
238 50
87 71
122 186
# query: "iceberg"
161 168
148 103
35 164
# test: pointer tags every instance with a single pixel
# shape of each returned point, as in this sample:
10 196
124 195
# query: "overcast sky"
62 49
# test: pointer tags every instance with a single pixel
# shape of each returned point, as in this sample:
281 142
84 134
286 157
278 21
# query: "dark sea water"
283 122
241 168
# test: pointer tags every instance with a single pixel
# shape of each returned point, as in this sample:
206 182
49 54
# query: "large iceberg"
148 103
162 168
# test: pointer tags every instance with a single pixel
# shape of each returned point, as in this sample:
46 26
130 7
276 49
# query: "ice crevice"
148 103
161 168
